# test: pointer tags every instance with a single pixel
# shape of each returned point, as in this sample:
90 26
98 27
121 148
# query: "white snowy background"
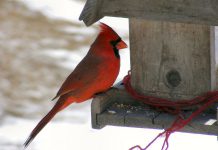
70 129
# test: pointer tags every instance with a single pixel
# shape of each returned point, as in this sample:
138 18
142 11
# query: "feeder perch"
172 53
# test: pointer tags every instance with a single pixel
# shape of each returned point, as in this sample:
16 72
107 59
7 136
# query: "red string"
172 107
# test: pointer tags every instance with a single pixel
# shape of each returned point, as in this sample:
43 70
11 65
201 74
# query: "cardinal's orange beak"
121 45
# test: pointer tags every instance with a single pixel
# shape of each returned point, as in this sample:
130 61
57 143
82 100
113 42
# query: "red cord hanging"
172 107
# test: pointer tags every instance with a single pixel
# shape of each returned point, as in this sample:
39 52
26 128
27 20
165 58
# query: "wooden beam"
186 11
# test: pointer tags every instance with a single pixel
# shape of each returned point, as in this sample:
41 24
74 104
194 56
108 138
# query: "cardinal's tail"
61 104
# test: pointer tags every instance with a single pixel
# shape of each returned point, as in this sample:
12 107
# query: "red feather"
108 32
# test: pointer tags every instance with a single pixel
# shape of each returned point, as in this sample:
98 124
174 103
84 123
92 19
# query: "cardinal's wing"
85 73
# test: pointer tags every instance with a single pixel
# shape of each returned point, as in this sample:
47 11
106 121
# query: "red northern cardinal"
94 74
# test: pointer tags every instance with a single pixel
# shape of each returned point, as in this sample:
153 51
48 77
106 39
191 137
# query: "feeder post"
172 60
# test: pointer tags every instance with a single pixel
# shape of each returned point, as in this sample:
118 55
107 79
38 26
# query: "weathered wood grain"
102 101
186 11
172 60
91 12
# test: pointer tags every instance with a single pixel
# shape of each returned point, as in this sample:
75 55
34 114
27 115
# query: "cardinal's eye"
114 43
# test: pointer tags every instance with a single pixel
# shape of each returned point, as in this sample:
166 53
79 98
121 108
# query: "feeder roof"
186 11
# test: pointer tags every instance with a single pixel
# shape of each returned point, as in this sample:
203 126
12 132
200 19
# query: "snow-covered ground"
70 131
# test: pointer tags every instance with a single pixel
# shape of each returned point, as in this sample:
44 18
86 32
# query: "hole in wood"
173 79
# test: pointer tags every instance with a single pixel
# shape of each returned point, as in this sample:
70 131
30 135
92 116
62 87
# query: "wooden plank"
127 112
98 106
186 11
103 100
172 60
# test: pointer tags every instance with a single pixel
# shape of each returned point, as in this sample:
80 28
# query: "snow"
63 134
81 30
67 59
57 9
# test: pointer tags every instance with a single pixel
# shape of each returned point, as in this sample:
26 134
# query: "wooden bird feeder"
172 47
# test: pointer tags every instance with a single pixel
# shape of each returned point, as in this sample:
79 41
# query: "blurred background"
41 42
